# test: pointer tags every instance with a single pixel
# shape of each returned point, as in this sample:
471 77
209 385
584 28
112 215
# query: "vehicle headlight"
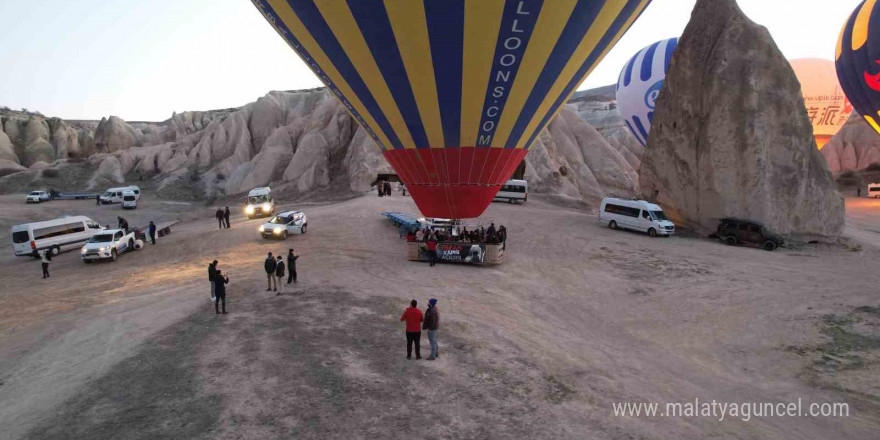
102 249
83 251
266 207
249 209
262 228
276 231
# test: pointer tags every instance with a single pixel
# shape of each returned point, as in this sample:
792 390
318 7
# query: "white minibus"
30 238
114 195
513 191
874 190
637 215
129 200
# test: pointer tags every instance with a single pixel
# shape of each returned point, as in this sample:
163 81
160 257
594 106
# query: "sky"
143 60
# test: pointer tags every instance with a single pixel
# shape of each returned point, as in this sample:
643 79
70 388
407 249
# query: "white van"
114 195
260 203
513 191
637 215
129 200
874 190
30 238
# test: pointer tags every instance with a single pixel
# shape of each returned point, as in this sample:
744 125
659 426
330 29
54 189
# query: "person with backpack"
413 318
432 324
212 272
269 267
220 282
45 258
279 274
291 266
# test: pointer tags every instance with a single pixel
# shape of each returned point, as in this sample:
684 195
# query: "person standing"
152 231
388 189
219 216
45 258
291 265
220 282
413 318
226 217
432 324
123 224
279 274
859 192
432 249
98 200
212 273
269 266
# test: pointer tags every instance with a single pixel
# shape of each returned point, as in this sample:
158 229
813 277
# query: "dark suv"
734 231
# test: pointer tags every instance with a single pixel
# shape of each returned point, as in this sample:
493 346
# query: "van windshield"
254 200
34 193
101 238
109 194
659 215
280 220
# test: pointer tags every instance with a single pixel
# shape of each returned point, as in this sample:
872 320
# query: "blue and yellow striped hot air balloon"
858 61
453 91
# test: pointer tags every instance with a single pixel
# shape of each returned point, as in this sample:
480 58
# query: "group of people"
222 216
461 235
416 322
383 188
275 270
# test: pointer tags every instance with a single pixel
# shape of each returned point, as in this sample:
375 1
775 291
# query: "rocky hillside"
301 140
854 147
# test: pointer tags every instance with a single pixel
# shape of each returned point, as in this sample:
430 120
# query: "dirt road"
578 318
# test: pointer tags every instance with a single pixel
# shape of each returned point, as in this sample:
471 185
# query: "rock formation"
303 140
598 107
731 136
854 147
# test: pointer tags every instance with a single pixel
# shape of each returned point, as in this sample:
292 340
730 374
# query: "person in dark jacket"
226 217
413 318
152 231
98 200
432 249
219 216
432 324
502 237
220 282
269 266
388 189
291 265
123 224
279 274
212 272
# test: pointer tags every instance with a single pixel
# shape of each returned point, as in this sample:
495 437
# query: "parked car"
129 200
734 231
284 224
637 215
37 197
108 244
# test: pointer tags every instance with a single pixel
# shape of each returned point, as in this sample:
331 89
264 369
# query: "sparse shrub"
874 167
220 176
849 178
51 172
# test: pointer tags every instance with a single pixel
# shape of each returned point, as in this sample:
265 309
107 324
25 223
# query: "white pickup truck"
108 244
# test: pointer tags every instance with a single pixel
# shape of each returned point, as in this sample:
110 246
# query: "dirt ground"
578 318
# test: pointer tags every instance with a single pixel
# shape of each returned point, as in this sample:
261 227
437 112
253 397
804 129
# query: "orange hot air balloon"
453 91
826 104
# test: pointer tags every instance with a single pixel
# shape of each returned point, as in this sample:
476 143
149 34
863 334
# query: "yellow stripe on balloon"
338 16
873 123
410 28
549 26
860 28
610 11
482 19
292 21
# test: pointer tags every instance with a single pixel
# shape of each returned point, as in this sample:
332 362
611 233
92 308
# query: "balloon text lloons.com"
453 91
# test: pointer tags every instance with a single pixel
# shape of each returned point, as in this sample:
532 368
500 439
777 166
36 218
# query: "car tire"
55 250
652 232
612 224
303 230
730 240
769 245
113 255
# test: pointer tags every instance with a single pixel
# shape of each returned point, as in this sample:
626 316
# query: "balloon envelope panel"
857 59
453 91
639 85
826 104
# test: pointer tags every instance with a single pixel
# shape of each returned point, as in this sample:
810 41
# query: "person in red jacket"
413 318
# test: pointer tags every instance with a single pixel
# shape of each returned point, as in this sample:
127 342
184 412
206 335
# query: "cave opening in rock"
386 178
520 171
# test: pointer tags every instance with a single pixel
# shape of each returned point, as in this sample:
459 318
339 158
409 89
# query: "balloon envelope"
857 59
826 104
453 91
639 85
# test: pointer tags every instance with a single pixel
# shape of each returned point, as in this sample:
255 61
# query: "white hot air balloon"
639 85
